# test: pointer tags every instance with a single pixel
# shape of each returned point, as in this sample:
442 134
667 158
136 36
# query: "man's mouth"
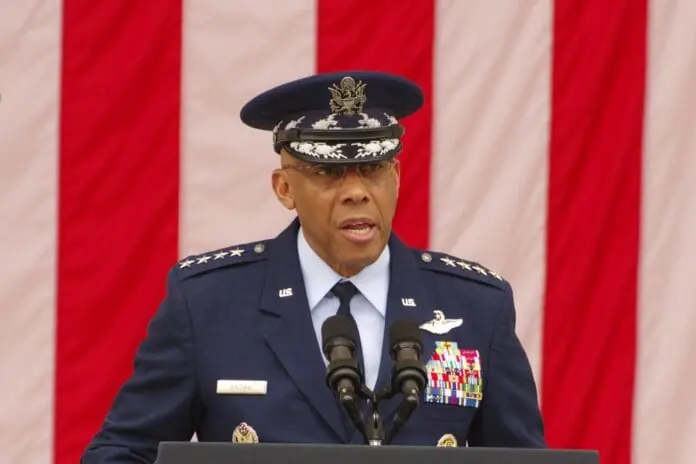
360 230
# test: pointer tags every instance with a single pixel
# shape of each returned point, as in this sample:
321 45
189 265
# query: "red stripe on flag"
119 182
398 40
589 348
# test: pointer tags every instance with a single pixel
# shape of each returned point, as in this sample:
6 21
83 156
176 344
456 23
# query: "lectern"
271 453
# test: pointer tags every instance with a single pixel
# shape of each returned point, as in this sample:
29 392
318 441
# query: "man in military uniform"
234 351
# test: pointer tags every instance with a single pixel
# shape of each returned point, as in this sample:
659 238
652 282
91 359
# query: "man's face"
346 219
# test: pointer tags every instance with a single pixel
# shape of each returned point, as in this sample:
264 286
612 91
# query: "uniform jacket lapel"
289 332
407 298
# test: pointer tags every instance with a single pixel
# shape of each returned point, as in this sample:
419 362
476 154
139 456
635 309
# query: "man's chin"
352 262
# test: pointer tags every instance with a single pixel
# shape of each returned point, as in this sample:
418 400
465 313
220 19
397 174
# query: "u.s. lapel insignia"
440 324
244 433
447 441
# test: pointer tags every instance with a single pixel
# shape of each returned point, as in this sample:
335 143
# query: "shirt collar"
319 278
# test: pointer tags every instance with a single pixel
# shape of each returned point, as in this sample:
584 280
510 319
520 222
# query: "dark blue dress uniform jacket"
223 318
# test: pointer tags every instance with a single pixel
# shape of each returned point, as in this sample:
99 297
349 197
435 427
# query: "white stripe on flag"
233 50
490 145
665 410
29 67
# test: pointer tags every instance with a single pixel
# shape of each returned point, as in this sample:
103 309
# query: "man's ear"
397 173
282 189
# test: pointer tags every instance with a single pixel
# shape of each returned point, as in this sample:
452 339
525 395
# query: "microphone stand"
370 427
374 428
403 412
348 399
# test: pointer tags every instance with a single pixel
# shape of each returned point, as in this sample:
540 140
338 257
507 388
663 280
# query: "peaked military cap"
344 117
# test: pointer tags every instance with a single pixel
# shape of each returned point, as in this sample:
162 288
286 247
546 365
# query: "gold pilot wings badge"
440 324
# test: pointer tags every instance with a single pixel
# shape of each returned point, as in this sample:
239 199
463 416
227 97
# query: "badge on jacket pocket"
244 433
447 441
454 376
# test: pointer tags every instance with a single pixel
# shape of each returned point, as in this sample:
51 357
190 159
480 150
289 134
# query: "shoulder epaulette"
442 262
224 257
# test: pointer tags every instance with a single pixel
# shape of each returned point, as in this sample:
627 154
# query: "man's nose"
353 188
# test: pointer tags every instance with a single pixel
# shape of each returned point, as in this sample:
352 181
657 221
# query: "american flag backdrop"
557 147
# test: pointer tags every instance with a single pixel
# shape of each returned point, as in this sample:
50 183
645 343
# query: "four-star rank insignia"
225 257
471 270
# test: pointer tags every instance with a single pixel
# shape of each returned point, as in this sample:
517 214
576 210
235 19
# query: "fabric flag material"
556 147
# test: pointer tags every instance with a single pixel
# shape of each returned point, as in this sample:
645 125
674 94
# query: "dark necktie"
345 291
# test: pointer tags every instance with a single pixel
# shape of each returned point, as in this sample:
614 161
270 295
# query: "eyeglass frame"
313 167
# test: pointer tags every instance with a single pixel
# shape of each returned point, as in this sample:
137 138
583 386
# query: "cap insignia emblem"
348 98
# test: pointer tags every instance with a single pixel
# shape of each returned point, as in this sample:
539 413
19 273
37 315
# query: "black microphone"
408 374
406 347
338 336
343 374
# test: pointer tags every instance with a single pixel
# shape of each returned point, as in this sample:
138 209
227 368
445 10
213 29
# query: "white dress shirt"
368 307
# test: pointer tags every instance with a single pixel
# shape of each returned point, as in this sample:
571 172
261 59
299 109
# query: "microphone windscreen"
338 327
404 331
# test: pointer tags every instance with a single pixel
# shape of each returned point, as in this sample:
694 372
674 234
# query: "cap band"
339 135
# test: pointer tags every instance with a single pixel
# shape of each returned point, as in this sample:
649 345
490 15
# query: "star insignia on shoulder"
195 264
453 265
236 252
